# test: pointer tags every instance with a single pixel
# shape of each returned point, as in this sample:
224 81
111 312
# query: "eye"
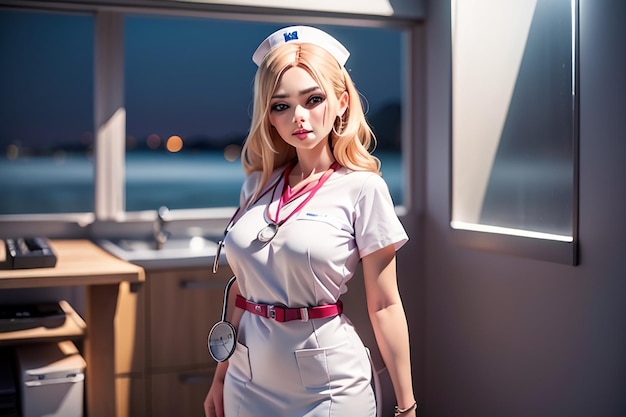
315 100
278 107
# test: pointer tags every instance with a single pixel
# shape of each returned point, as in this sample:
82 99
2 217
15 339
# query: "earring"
338 130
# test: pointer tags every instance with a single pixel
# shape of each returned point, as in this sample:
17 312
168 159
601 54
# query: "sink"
175 252
196 244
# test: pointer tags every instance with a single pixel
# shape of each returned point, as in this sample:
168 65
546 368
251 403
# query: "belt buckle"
271 312
304 314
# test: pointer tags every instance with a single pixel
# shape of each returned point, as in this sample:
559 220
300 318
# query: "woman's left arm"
389 321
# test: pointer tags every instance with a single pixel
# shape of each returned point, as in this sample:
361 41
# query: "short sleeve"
248 187
376 224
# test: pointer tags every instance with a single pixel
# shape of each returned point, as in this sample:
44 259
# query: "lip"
301 133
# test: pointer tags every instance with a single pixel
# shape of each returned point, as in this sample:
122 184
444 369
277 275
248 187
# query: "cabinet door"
184 305
180 393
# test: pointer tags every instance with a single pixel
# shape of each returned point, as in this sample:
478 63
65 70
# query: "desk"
82 263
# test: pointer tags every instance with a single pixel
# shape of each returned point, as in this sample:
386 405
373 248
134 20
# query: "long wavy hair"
351 138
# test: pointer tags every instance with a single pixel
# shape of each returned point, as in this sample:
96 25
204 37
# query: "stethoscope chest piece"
222 337
221 340
267 233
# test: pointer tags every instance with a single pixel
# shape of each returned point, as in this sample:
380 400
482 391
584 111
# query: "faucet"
160 234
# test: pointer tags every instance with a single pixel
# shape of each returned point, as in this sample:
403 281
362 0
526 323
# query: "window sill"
557 249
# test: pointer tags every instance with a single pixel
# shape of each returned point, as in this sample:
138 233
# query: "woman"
313 206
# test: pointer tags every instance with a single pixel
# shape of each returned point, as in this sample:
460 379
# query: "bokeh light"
232 152
153 141
174 143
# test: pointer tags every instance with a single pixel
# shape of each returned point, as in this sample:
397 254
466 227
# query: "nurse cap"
302 34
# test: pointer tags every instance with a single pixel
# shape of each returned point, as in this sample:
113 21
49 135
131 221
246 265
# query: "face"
298 110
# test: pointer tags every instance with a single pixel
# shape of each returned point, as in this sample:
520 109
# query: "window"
187 97
46 112
515 119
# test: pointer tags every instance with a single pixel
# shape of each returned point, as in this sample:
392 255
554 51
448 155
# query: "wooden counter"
82 263
79 262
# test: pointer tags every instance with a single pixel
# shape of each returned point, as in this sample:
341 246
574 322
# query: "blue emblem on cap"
290 36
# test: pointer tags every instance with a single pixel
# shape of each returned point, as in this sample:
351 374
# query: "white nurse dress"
319 367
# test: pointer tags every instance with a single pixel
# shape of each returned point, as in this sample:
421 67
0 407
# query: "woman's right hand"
214 401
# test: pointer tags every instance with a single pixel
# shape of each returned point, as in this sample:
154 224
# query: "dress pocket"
327 367
313 367
239 363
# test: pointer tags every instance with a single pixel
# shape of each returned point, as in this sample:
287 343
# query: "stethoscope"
232 220
222 336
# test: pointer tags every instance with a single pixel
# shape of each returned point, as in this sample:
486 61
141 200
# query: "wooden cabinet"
180 393
164 367
183 307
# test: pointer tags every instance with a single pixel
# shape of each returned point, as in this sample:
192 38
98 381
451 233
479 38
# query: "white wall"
505 336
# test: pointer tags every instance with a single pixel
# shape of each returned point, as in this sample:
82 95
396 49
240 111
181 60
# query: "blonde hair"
351 137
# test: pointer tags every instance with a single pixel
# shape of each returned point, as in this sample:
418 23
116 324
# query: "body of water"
200 180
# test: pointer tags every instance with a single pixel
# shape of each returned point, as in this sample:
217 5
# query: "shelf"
73 328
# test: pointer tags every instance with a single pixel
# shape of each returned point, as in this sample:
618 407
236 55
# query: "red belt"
283 314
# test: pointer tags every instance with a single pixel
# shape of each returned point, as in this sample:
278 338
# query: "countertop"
79 262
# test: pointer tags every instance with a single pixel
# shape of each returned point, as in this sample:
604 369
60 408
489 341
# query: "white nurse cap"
302 34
